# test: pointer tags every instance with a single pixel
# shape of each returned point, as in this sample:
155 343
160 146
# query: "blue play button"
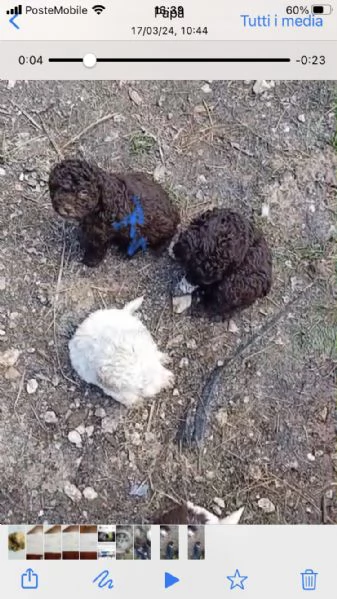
170 580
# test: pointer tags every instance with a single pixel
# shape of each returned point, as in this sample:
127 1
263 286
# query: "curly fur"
96 199
188 513
113 350
214 244
240 289
227 258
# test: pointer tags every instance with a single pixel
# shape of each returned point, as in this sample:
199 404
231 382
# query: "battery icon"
321 9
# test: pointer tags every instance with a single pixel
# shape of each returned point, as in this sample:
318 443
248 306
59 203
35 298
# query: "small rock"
181 303
301 118
206 89
216 510
210 475
183 363
255 472
246 399
262 85
324 414
12 374
222 417
11 83
311 457
201 179
265 211
90 493
220 363
55 380
135 97
159 173
72 492
220 502
175 392
32 386
89 430
50 417
191 344
2 172
232 328
9 357
2 283
109 424
266 505
80 429
135 438
74 437
100 412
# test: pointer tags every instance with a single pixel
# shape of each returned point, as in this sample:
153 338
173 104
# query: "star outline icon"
234 580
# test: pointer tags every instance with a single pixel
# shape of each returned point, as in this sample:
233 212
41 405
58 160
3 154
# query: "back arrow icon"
12 19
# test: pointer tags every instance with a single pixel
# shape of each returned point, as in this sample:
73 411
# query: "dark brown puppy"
240 289
101 202
227 259
214 244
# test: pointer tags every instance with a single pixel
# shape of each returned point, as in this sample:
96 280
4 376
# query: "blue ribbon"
135 218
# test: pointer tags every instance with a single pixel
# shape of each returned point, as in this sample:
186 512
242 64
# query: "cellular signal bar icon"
17 10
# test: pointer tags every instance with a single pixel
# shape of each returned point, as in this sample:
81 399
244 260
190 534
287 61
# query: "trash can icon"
309 580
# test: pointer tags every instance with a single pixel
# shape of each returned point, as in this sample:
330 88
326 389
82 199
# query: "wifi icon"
98 8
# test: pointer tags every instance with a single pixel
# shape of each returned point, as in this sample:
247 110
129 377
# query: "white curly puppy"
114 350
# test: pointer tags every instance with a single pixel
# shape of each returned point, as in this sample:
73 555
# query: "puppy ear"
133 306
233 518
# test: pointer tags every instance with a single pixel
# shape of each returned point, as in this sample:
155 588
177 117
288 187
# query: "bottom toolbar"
130 559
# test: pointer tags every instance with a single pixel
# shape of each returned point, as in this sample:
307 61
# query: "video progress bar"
174 60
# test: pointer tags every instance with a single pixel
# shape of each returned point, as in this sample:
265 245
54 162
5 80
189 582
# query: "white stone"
183 363
262 85
301 118
109 424
50 417
90 493
220 502
266 505
181 303
206 89
232 327
32 386
100 412
74 437
265 211
89 430
135 97
72 492
9 357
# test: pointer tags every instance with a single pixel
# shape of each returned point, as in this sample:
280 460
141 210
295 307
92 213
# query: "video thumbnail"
167 311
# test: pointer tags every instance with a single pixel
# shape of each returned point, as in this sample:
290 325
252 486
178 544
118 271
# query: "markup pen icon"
309 580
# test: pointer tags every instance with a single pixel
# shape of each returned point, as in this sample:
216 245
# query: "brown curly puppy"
130 210
214 244
227 259
251 281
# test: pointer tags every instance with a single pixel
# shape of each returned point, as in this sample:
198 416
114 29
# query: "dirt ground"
270 445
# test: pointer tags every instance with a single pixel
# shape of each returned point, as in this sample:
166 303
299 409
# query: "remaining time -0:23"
30 60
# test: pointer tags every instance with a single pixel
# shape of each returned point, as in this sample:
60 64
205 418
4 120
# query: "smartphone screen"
168 298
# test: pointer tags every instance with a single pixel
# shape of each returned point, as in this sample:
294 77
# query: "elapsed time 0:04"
32 60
